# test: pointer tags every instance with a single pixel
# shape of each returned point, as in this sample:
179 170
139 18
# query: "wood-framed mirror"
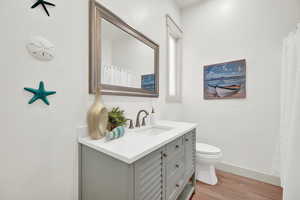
123 61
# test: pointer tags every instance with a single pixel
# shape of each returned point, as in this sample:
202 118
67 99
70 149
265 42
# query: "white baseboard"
266 178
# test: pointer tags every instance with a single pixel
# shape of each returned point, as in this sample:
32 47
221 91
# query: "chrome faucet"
137 124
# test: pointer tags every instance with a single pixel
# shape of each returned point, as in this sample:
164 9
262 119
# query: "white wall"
224 30
37 142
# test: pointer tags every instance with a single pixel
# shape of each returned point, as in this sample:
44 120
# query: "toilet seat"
206 149
200 158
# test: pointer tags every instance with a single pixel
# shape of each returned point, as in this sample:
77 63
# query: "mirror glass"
125 60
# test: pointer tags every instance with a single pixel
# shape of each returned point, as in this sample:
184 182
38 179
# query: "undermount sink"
153 130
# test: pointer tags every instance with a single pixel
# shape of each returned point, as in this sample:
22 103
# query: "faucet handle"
130 123
144 120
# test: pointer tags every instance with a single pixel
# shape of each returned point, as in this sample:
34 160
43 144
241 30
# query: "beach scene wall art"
225 80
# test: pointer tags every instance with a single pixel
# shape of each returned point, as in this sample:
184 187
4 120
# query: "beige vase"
97 118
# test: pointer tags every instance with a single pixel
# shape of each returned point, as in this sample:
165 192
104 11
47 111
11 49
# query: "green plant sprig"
116 118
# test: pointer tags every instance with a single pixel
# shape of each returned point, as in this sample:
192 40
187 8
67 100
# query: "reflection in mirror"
125 60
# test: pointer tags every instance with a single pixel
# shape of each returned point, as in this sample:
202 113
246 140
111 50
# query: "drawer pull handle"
186 139
177 166
177 146
165 155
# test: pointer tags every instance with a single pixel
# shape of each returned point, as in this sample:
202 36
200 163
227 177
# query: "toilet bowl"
206 158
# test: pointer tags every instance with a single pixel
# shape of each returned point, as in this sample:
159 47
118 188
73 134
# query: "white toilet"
206 158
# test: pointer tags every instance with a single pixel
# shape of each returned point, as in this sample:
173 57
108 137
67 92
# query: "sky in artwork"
232 69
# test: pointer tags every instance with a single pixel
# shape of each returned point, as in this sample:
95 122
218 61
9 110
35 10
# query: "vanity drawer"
174 186
189 137
175 148
176 165
175 171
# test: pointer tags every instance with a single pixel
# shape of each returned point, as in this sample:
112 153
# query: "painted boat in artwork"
212 89
227 90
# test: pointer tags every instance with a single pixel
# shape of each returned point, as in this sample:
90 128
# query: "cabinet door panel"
174 185
149 177
176 165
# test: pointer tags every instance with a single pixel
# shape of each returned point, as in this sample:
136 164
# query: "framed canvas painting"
225 80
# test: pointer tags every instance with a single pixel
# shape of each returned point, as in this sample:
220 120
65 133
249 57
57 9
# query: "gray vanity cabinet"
165 174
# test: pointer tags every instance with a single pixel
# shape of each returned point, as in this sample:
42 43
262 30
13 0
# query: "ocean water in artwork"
226 80
148 82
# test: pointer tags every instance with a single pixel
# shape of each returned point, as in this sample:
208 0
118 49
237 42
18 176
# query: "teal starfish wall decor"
40 93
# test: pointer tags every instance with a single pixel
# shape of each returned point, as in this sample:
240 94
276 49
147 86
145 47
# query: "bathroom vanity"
151 163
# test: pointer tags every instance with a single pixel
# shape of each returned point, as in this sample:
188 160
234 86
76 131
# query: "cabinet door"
190 152
149 177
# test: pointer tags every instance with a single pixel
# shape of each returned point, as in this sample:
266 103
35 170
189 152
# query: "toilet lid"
207 149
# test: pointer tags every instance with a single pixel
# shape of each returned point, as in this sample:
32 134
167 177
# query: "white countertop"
135 145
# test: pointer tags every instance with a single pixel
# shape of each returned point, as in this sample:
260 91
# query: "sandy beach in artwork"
240 95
